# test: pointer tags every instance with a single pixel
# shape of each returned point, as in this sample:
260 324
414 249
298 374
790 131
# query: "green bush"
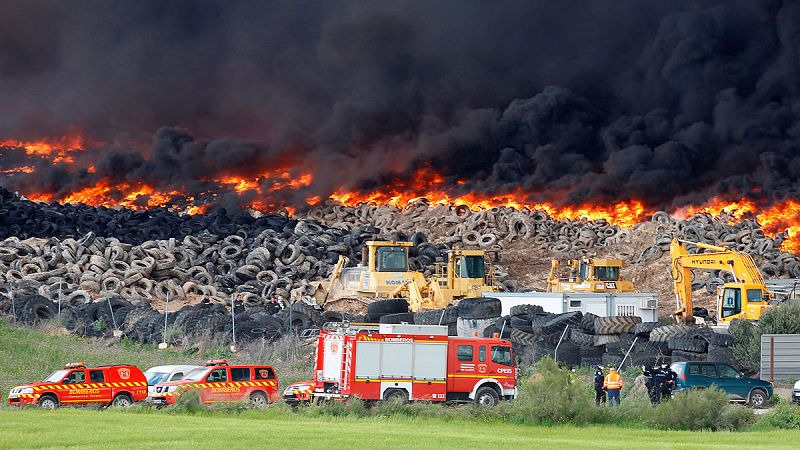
780 319
188 402
549 397
706 409
783 416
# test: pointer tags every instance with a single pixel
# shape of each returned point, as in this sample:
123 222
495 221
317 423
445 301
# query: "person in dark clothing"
650 383
670 377
599 391
659 384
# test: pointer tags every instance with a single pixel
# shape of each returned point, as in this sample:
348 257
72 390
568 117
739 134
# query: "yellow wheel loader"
588 275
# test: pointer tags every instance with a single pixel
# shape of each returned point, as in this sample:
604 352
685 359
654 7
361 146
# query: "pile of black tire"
575 339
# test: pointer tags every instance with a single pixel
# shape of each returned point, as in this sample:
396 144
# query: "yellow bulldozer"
588 275
384 273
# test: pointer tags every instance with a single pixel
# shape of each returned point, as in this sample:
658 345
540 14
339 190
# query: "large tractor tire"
479 308
615 324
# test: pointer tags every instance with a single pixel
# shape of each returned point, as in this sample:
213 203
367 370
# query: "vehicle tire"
442 316
581 339
587 322
258 400
757 399
397 318
309 311
479 308
395 395
48 401
611 359
604 339
616 324
681 356
687 344
722 355
122 401
644 328
390 306
525 310
663 333
521 337
486 396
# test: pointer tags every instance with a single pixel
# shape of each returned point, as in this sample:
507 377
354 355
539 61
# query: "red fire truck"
408 362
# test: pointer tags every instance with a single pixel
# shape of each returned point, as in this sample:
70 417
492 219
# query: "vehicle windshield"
196 374
606 273
153 378
392 259
502 355
55 376
470 267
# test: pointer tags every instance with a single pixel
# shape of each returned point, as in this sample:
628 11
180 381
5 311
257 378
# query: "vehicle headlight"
27 390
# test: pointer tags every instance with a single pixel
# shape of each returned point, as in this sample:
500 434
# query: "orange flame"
57 148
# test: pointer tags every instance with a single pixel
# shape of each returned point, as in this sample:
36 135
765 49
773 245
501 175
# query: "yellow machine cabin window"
755 296
391 259
731 302
470 267
606 273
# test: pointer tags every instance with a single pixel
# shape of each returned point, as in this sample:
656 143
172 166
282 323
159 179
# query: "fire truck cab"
219 382
77 384
407 363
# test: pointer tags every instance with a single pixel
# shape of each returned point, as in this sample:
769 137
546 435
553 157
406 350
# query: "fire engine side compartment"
414 364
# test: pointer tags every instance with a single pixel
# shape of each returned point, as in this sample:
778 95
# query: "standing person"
599 390
669 381
660 383
651 383
613 383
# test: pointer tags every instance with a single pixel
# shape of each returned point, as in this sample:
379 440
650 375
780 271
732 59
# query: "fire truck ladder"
344 385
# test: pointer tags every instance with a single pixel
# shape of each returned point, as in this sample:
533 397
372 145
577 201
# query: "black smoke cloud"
668 102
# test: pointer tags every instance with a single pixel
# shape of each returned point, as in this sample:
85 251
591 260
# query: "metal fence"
780 357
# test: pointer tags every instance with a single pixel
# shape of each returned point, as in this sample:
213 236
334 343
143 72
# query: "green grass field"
27 355
32 428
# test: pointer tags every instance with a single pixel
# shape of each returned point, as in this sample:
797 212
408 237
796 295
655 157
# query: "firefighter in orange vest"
612 383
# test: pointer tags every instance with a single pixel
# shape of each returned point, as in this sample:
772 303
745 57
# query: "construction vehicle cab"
745 298
465 274
588 275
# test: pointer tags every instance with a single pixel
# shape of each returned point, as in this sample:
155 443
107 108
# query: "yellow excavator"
384 273
589 275
745 298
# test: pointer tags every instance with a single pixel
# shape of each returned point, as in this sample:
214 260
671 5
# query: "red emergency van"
217 381
77 384
408 362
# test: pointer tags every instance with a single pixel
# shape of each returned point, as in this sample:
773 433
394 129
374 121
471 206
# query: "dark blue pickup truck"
702 375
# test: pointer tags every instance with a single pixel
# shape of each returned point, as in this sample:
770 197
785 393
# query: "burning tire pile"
501 227
106 268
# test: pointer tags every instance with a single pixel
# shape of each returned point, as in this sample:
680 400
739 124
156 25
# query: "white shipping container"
640 304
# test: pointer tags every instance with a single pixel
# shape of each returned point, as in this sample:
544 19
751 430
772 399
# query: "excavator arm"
739 264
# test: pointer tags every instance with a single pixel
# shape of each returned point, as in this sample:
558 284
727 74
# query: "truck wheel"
48 402
122 400
395 395
758 398
389 306
258 400
479 308
486 396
